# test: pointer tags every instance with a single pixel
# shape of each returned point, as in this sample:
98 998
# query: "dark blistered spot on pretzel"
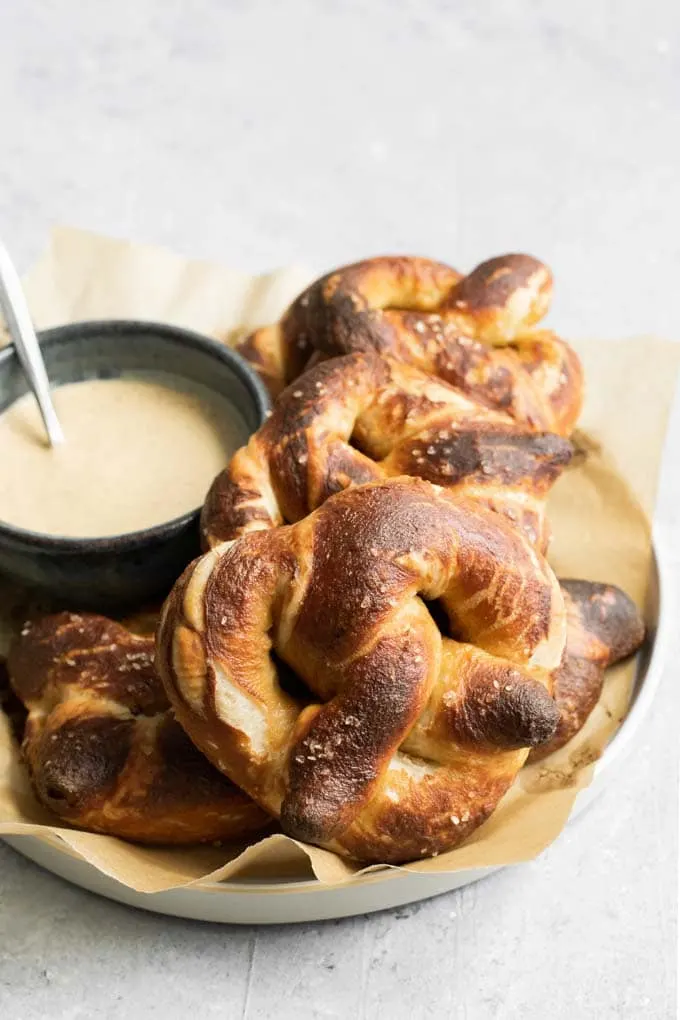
184 775
336 764
82 760
493 454
608 618
512 715
362 418
100 742
400 747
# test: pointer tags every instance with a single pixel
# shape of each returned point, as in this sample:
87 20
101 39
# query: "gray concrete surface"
262 133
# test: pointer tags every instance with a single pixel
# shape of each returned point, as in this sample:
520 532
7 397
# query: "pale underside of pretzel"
102 747
364 417
476 332
405 739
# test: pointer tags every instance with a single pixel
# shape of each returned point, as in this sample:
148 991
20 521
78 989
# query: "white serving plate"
284 901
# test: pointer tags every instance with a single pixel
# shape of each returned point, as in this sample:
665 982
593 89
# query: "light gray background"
263 133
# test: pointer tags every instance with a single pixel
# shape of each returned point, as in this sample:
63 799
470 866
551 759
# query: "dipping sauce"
139 451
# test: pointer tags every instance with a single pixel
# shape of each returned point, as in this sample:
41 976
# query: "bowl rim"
89 328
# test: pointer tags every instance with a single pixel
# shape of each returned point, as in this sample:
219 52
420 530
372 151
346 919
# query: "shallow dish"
105 573
284 901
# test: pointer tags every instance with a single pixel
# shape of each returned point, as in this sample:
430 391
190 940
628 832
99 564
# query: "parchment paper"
599 512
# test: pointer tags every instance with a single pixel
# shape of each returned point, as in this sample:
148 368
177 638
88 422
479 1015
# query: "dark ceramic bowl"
137 567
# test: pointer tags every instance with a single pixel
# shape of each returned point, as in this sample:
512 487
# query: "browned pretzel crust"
603 627
407 739
363 417
476 332
101 744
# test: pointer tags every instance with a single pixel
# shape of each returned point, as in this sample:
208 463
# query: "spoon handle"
15 311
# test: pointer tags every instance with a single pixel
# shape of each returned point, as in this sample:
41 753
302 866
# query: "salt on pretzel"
477 332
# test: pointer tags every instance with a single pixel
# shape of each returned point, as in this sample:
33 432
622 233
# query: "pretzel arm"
505 467
341 751
481 701
299 457
500 297
484 454
341 312
604 626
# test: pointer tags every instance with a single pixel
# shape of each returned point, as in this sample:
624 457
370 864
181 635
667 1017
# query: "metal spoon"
15 311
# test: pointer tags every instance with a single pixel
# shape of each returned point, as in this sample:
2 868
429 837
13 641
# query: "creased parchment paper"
599 511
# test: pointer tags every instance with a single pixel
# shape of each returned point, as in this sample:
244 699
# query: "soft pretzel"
103 749
603 627
473 331
405 740
404 422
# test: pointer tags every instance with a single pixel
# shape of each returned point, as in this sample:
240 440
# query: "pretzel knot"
306 664
427 314
404 422
101 744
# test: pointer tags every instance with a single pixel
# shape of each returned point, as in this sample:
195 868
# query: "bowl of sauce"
151 413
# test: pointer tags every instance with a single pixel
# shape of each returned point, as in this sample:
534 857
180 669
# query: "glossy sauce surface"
138 452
